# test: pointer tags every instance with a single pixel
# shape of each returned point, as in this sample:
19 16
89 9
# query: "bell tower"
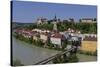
55 23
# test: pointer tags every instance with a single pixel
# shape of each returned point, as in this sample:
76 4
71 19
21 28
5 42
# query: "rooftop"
90 39
57 35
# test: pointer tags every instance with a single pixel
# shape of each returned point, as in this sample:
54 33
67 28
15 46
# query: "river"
29 54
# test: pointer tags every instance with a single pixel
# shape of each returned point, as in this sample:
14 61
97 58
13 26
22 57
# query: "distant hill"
20 24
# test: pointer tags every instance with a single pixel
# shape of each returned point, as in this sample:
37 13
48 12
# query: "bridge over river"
45 61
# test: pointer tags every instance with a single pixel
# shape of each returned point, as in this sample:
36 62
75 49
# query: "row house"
40 31
24 33
18 31
27 34
32 34
90 35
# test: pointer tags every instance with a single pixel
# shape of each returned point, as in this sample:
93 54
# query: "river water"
29 54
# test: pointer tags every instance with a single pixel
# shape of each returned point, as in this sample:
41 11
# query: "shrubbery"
66 59
88 53
83 27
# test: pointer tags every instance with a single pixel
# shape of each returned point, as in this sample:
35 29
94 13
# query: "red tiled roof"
57 35
90 39
45 33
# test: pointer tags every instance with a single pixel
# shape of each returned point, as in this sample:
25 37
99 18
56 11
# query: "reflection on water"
29 54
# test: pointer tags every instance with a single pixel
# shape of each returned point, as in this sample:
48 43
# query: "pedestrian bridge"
47 60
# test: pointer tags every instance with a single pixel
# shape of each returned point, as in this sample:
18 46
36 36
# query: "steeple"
55 23
55 18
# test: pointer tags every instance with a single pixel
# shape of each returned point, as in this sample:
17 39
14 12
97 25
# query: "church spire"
55 23
55 18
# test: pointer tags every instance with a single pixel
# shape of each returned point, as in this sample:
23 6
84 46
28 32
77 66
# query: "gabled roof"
57 35
90 39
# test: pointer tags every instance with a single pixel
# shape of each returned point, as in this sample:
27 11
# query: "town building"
87 20
36 36
57 39
27 33
71 20
42 20
44 37
36 30
55 23
89 44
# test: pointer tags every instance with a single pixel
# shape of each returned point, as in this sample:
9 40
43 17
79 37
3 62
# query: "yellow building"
89 44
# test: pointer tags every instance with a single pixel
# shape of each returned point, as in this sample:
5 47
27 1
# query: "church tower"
55 23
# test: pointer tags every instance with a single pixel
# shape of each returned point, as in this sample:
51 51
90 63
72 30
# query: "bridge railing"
45 61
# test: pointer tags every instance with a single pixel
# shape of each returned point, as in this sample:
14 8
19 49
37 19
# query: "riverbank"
49 45
29 54
38 43
86 58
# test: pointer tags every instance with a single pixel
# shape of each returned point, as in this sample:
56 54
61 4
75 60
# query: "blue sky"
27 12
